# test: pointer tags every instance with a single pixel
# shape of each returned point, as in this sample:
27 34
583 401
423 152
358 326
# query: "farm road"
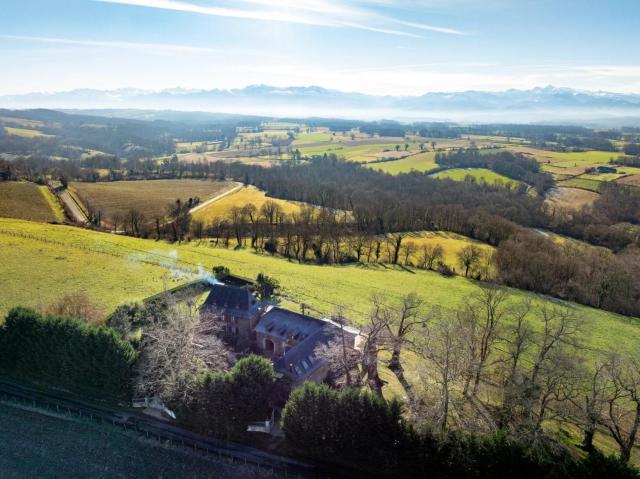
216 198
73 207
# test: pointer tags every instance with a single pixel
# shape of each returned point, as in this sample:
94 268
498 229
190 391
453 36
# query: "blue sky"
373 46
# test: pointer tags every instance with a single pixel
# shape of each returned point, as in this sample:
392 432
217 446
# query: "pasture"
250 194
44 444
423 162
43 262
25 132
481 175
582 183
150 197
28 201
451 243
362 153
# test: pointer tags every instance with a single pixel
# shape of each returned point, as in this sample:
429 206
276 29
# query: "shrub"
223 404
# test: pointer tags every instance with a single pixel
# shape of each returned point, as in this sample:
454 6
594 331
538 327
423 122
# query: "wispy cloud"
158 47
323 13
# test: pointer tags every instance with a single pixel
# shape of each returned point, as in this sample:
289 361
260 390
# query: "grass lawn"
42 444
20 199
26 133
242 197
151 197
480 174
43 262
420 162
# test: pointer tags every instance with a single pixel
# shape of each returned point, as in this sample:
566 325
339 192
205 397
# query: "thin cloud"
307 12
112 44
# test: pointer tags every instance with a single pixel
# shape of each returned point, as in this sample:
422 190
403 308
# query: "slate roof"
300 361
284 324
232 300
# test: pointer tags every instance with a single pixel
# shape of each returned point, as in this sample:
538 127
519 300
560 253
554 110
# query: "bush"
64 352
350 426
223 404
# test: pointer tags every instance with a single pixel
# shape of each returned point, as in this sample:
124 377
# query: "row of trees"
63 351
497 365
368 435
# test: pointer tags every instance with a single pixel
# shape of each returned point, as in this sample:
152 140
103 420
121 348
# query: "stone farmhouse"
288 338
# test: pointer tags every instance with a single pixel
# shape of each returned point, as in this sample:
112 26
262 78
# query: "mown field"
482 175
41 444
250 194
361 153
570 198
25 132
24 200
43 262
423 162
451 243
151 197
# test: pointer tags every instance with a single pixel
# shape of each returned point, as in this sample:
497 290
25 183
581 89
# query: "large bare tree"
177 344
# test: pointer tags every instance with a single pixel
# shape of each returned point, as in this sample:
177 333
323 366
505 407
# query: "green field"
423 162
43 262
151 197
46 445
360 153
20 199
482 175
584 183
313 137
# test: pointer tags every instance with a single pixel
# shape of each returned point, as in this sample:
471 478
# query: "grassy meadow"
43 262
151 197
24 200
244 196
423 162
482 175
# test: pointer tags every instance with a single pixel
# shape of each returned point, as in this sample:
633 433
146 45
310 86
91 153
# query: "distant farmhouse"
289 339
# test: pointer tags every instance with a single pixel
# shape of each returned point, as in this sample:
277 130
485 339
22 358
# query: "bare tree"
76 306
441 344
590 404
482 320
342 357
175 346
408 249
431 255
374 333
468 257
401 323
623 403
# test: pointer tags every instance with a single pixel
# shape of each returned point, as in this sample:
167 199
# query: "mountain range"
542 104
